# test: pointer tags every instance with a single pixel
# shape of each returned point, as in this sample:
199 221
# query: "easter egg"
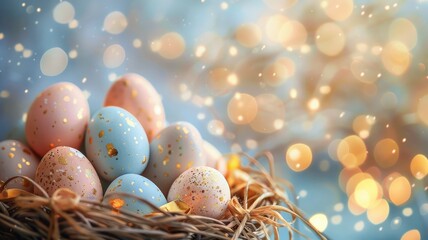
57 117
17 159
116 143
136 185
204 189
66 167
135 94
174 150
214 158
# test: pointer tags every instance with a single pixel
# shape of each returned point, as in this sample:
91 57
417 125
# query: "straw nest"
258 208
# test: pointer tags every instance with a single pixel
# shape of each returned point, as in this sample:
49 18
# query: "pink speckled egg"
135 94
57 117
66 167
204 189
17 159
214 158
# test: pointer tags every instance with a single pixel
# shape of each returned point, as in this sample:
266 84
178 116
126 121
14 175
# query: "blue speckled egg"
137 185
116 143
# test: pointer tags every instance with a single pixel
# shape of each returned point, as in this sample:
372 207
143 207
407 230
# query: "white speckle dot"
336 219
407 212
359 226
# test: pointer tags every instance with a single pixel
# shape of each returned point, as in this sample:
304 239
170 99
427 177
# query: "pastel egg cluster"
127 147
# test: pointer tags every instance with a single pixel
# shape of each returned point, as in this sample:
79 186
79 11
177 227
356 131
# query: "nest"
258 208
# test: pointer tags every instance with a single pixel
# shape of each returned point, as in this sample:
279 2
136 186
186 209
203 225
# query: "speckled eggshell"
57 117
17 159
214 158
204 189
174 150
116 143
135 94
66 167
136 185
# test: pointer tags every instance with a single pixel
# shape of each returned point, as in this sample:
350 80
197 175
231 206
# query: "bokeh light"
298 157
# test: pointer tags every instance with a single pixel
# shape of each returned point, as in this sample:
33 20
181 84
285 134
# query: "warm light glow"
248 35
234 162
379 213
276 73
114 56
352 151
413 234
242 108
330 39
314 104
298 157
115 22
53 62
403 30
419 166
400 191
170 45
362 125
367 193
319 221
396 58
221 80
386 152
117 203
338 10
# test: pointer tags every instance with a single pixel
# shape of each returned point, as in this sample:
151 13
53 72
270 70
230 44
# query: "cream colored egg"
204 189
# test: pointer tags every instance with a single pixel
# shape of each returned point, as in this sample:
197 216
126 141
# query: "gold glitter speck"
70 178
178 165
62 160
165 161
11 155
134 93
101 134
144 160
111 151
65 120
80 114
66 99
130 122
185 130
19 165
160 148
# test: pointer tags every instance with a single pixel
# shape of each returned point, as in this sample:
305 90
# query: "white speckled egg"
57 117
174 150
204 189
116 143
135 94
136 185
17 159
66 167
214 158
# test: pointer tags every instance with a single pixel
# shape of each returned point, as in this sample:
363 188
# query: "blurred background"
337 90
